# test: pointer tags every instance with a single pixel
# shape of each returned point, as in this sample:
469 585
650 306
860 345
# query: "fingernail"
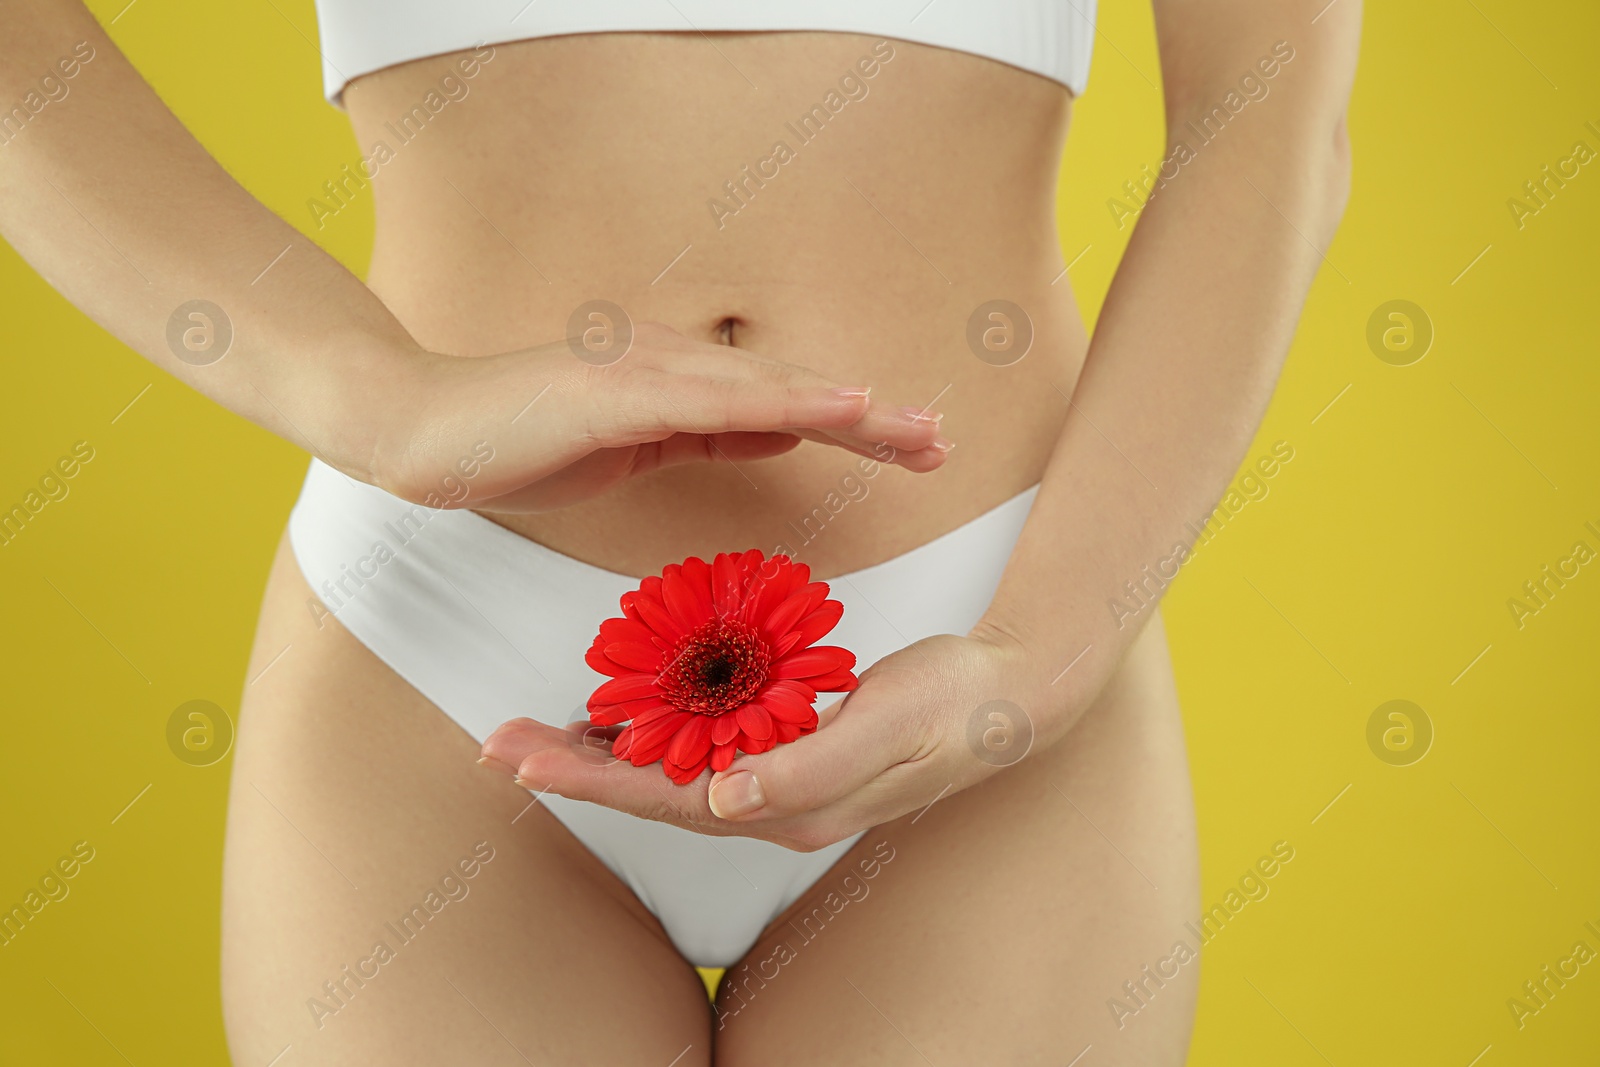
736 795
524 783
941 445
495 765
852 391
919 415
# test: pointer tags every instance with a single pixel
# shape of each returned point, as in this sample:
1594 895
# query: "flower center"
716 668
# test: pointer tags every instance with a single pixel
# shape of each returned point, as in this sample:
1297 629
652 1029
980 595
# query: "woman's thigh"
998 925
386 901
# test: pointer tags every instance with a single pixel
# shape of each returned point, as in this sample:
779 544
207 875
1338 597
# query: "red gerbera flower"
714 659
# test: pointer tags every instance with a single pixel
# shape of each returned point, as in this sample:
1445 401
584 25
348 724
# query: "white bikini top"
1053 38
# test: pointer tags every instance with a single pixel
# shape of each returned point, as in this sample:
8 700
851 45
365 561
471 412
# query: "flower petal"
752 747
769 582
781 619
697 572
811 662
785 705
646 742
625 629
611 714
754 721
628 687
600 662
643 718
678 595
697 576
722 756
814 626
800 689
726 597
655 615
634 656
684 775
724 730
840 682
692 742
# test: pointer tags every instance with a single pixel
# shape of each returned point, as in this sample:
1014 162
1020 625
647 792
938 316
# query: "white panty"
490 626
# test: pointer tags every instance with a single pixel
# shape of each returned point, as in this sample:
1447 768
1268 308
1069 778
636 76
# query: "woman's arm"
1193 334
105 193
109 198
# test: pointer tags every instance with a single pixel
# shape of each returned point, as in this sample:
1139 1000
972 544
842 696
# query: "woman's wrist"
1025 660
443 418
369 402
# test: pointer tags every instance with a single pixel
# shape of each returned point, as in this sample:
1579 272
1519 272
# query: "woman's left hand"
925 722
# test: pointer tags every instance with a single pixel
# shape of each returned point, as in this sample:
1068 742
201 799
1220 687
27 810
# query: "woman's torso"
585 167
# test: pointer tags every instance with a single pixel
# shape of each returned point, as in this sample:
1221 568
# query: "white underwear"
490 626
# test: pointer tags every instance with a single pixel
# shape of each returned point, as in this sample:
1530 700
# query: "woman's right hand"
564 429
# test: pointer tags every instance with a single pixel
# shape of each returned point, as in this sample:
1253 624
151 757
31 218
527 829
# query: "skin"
1006 921
1206 300
996 933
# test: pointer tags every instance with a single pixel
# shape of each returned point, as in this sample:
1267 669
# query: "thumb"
860 738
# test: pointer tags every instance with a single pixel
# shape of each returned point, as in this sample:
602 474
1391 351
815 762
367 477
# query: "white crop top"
1053 38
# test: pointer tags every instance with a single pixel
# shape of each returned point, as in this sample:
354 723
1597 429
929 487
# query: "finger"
689 375
857 742
920 460
736 447
649 406
888 427
514 741
547 759
885 430
924 460
903 427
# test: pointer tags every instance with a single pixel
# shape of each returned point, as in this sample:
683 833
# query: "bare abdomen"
760 190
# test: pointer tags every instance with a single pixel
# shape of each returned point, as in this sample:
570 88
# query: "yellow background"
1378 568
